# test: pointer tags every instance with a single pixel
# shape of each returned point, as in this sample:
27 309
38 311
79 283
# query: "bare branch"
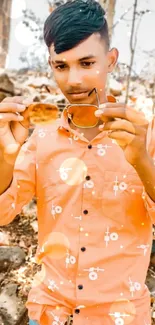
131 49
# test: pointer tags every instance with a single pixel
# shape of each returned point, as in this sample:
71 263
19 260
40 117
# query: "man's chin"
79 99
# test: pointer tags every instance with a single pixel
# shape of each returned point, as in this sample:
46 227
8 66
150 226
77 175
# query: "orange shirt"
95 227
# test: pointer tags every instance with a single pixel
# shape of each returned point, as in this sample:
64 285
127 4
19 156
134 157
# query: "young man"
95 189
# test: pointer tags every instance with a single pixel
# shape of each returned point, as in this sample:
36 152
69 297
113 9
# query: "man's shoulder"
151 137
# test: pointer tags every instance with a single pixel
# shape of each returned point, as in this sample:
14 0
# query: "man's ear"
112 59
49 61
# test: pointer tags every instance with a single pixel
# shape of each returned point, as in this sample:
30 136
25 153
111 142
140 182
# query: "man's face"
83 68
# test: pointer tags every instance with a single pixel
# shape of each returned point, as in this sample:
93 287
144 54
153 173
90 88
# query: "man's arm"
6 170
146 171
19 188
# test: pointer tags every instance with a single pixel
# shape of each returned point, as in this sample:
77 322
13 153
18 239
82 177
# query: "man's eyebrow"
82 59
58 61
87 57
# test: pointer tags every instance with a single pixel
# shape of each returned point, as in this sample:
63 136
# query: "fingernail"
21 118
21 107
98 112
102 105
27 101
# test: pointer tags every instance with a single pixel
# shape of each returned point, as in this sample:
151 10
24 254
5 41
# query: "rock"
2 277
150 282
144 103
4 239
11 257
6 85
34 225
153 245
152 258
29 210
54 99
3 95
12 309
3 320
116 88
39 82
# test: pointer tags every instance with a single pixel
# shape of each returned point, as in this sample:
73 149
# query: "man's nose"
74 77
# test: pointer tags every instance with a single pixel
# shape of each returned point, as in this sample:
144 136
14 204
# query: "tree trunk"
5 11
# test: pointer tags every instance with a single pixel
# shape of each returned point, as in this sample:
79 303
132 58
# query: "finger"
123 136
7 117
117 105
11 107
19 100
123 112
121 125
15 99
102 117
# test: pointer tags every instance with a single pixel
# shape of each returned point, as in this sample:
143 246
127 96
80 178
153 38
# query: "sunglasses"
39 114
81 115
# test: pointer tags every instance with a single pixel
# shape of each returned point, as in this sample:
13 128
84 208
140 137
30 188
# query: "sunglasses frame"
84 105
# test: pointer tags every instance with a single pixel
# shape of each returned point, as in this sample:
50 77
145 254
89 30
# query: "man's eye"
60 67
87 64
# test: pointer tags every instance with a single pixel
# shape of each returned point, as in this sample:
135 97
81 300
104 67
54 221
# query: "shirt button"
77 311
85 211
83 249
80 286
89 146
88 178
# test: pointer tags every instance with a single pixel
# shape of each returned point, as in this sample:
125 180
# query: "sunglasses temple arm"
97 97
98 102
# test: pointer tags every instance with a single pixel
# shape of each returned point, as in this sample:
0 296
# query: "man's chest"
71 171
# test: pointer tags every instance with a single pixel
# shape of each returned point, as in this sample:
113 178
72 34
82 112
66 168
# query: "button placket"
85 213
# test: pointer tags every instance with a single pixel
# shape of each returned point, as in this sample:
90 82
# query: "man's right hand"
12 133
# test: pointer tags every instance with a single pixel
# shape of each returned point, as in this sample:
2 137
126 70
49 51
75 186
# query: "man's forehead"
83 50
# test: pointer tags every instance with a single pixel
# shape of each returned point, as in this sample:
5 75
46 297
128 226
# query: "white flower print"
144 247
63 173
113 236
55 210
134 286
52 285
70 260
92 274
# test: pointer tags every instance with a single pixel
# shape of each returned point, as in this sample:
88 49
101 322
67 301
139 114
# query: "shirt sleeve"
22 188
149 203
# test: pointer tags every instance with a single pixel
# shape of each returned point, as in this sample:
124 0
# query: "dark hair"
73 22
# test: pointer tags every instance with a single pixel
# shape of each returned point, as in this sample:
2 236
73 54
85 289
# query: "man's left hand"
127 126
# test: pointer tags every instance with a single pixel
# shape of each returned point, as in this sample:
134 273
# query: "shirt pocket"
121 195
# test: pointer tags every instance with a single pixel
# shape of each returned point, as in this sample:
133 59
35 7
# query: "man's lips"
78 92
79 96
